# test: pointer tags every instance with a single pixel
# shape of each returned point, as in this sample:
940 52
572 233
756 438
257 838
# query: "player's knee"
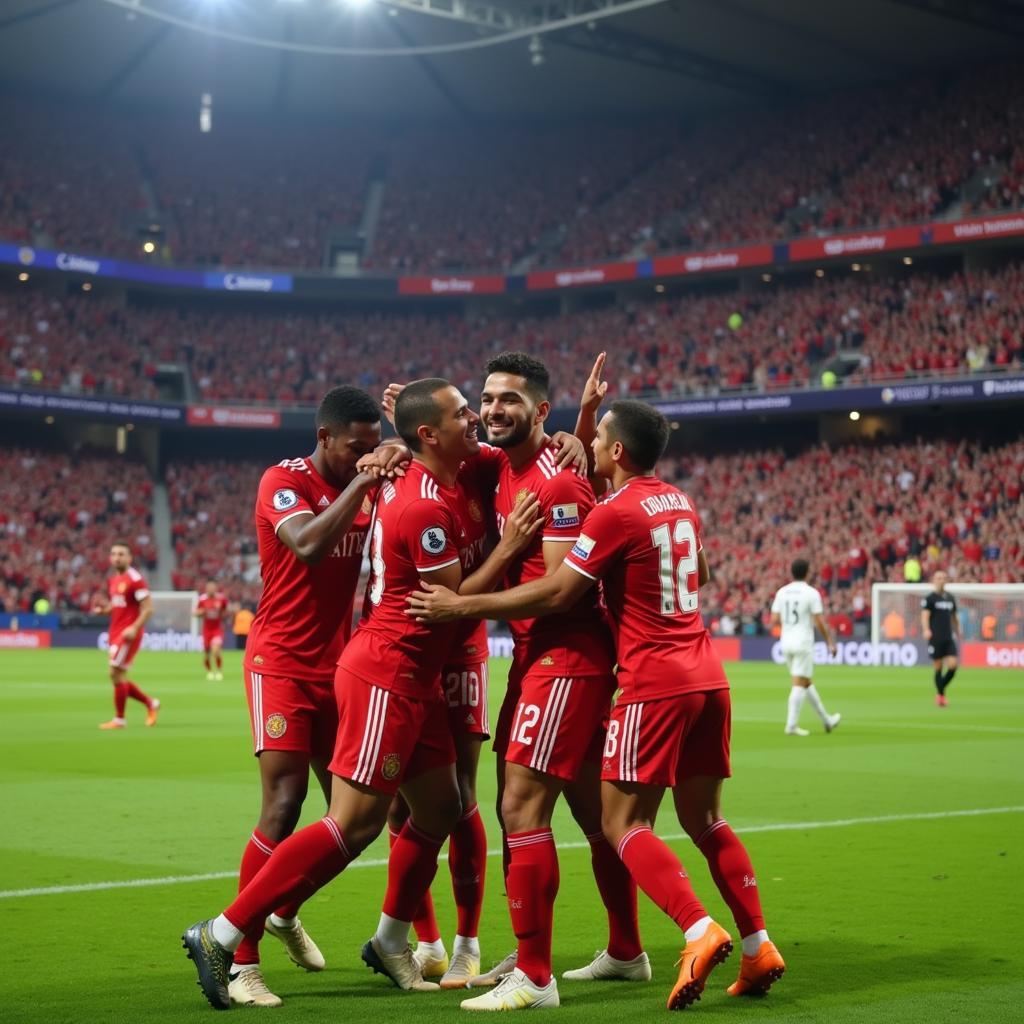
280 814
467 789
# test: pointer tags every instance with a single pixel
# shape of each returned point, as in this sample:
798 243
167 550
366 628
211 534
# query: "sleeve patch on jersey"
433 540
285 499
564 516
582 548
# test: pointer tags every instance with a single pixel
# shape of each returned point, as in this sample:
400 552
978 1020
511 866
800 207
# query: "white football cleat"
515 992
401 968
606 968
832 722
496 973
797 731
431 967
302 950
464 968
247 988
209 677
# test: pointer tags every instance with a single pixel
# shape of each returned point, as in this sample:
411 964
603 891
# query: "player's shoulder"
134 575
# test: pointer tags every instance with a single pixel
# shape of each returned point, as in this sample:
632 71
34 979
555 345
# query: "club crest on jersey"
547 660
284 499
582 548
258 660
475 512
122 587
276 725
390 765
521 495
565 515
433 540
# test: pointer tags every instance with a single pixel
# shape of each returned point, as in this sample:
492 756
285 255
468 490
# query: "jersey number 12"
675 585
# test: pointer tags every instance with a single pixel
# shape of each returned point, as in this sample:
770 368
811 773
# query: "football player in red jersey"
212 608
671 723
393 725
130 606
312 515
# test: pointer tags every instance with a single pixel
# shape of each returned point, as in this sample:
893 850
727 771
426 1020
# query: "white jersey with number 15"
797 603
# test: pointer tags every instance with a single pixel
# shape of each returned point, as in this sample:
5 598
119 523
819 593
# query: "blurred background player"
671 722
212 608
940 625
797 607
130 606
312 515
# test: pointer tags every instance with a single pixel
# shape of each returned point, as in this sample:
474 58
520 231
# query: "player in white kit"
798 608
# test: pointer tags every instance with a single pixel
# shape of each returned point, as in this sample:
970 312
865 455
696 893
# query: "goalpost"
988 612
173 610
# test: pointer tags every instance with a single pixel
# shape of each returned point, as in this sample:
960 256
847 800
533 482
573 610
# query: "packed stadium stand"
251 194
59 514
891 327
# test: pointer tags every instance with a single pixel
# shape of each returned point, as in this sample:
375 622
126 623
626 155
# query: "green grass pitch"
888 855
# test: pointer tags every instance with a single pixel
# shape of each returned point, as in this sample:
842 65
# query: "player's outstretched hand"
387 402
571 453
595 389
433 603
521 526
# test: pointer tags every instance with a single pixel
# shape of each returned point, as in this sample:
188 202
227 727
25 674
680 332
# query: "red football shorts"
465 692
658 741
554 723
122 652
211 635
385 738
291 714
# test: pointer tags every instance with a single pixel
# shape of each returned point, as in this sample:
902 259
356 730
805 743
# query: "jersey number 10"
677 585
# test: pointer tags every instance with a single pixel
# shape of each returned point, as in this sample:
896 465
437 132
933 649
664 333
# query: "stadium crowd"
891 327
59 514
266 195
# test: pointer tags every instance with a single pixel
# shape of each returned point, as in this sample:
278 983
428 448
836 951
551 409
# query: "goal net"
988 612
172 610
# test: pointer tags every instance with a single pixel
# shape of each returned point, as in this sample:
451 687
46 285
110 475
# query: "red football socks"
120 699
136 694
219 660
206 662
618 893
424 920
734 875
411 868
301 864
467 860
257 852
532 885
662 877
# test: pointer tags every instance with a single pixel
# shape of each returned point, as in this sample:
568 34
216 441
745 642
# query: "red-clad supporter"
58 513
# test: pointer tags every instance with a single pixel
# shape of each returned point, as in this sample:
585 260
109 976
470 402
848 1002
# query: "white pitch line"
951 727
784 826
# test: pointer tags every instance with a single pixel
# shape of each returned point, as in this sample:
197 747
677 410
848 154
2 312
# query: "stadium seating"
59 514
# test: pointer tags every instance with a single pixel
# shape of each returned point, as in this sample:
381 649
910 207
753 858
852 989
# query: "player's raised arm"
590 402
312 537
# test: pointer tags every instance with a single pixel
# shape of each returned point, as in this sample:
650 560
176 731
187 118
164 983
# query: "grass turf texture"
909 919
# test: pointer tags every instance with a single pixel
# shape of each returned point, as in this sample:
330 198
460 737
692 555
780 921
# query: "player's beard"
517 435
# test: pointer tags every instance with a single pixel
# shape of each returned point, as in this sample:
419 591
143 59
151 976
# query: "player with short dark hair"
940 625
312 515
393 728
670 724
212 609
130 606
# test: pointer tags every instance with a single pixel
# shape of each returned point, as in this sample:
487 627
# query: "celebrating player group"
615 693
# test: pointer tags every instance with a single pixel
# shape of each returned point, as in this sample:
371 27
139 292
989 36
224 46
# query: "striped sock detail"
721 823
332 827
521 839
262 844
630 835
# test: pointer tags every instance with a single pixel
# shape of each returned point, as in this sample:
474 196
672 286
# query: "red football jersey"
575 642
125 591
304 615
469 646
643 543
214 610
415 532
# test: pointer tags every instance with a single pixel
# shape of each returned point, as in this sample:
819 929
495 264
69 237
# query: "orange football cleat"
758 973
114 723
154 710
696 962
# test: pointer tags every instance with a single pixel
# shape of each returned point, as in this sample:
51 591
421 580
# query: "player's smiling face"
507 410
457 431
344 446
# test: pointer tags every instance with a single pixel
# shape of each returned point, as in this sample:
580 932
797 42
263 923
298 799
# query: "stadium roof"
682 55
